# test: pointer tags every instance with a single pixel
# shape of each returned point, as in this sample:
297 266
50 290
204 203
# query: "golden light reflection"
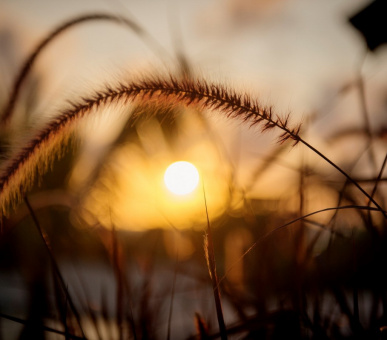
131 191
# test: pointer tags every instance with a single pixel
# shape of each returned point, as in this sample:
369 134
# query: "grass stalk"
172 294
348 177
271 232
378 179
367 123
356 314
54 264
117 264
30 61
211 263
45 328
61 305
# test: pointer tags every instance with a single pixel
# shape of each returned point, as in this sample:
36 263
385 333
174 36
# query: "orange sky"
296 55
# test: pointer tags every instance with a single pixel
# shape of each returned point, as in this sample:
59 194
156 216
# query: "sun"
181 178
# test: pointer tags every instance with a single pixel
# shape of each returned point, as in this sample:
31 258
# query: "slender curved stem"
271 232
29 62
350 179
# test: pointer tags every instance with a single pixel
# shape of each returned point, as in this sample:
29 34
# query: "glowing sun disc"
181 178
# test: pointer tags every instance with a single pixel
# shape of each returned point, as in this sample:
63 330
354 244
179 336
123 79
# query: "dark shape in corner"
372 23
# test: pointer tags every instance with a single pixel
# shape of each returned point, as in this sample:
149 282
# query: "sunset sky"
295 55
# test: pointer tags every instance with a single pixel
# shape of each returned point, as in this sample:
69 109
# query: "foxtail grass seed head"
18 173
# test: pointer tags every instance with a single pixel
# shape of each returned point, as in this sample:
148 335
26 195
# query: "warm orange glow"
181 178
132 192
